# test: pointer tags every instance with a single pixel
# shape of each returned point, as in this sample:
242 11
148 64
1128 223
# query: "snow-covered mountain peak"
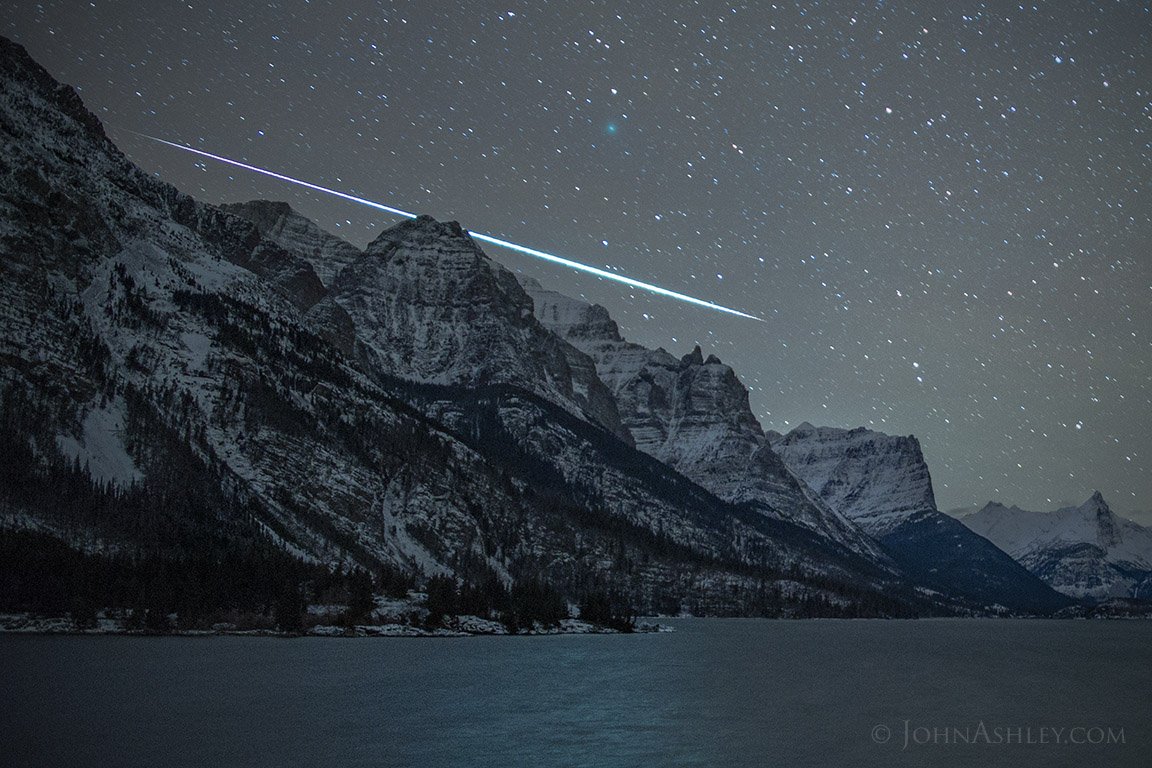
696 358
882 483
432 307
876 479
63 99
1021 530
571 318
449 237
271 209
1084 550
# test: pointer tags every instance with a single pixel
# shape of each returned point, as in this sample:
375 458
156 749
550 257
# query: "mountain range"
1084 551
882 483
190 389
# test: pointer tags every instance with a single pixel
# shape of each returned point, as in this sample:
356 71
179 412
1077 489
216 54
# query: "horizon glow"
544 255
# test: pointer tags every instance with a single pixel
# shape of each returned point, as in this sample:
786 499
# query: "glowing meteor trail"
477 235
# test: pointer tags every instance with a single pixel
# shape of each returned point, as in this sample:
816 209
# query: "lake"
739 692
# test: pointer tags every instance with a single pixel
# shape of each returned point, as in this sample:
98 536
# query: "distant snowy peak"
1083 551
878 480
1020 532
882 483
430 303
278 222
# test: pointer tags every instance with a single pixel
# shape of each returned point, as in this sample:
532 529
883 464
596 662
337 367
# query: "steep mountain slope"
875 479
277 222
325 253
882 482
120 290
693 414
167 348
1085 551
432 307
523 353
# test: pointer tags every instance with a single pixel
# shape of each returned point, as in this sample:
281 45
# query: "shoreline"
22 624
465 626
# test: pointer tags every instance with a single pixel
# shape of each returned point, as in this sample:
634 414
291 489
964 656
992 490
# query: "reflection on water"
713 693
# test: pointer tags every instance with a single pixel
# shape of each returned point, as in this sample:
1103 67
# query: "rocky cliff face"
882 483
278 223
1085 551
875 479
692 413
432 307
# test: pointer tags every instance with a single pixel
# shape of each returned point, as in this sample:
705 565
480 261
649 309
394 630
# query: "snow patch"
100 446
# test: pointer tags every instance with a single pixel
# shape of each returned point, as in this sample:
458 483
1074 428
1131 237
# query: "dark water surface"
712 693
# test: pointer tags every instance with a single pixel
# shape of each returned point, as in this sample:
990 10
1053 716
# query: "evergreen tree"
288 612
442 599
156 620
360 597
83 612
608 610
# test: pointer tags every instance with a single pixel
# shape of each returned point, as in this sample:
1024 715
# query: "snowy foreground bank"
459 626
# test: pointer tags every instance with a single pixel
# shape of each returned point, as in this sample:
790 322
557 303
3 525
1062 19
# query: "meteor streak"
477 235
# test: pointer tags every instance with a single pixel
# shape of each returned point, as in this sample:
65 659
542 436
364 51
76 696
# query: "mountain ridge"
692 413
883 483
1085 551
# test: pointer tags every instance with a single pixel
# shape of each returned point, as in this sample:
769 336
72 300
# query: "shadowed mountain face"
882 482
277 222
1084 551
231 383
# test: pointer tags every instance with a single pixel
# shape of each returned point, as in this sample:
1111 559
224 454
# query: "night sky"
942 209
